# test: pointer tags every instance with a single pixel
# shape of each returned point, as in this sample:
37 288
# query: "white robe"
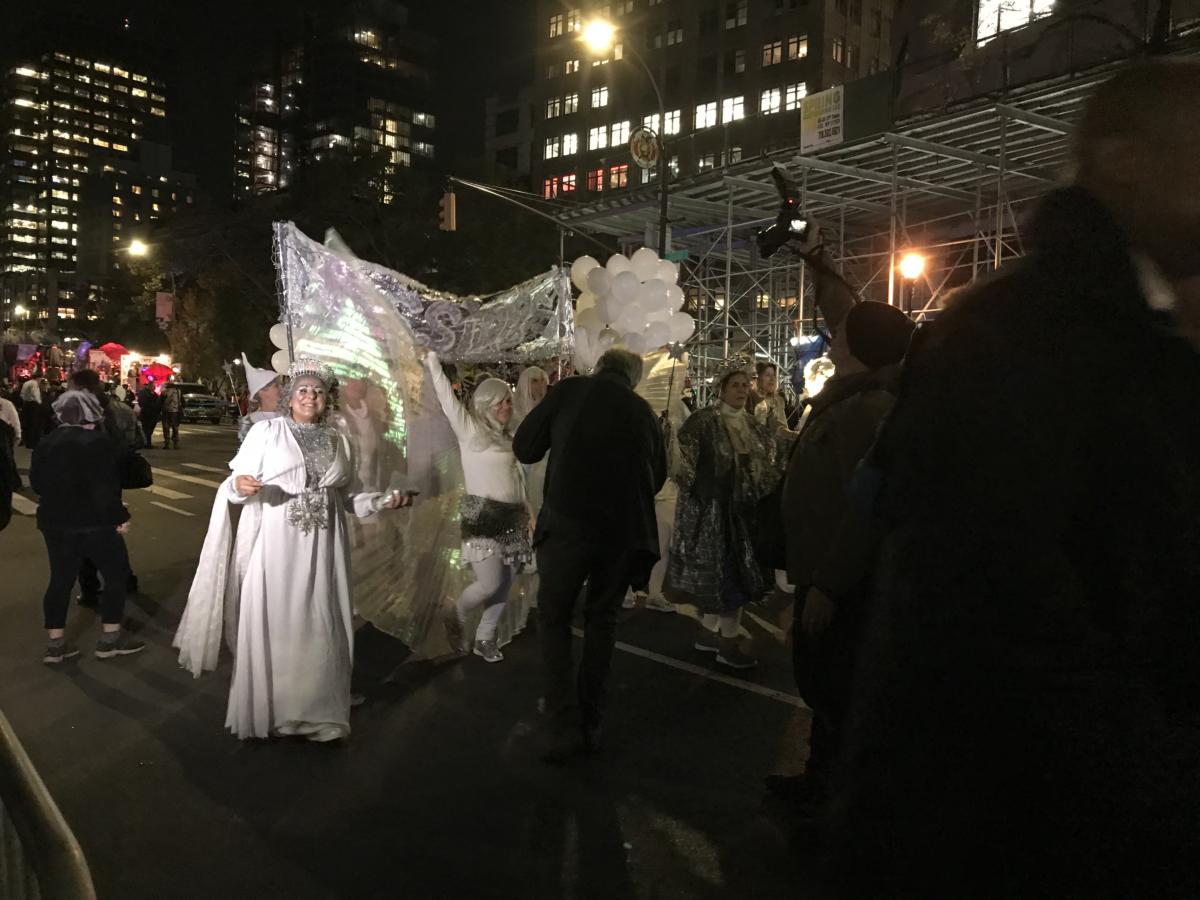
294 640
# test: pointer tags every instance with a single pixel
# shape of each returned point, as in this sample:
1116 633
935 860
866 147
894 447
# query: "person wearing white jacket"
495 513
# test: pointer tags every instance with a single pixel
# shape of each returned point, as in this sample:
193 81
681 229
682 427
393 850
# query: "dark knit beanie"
877 334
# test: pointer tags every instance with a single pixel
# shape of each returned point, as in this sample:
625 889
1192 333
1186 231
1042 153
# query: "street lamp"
912 267
138 248
599 36
20 311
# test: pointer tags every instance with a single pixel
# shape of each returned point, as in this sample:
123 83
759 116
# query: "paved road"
438 794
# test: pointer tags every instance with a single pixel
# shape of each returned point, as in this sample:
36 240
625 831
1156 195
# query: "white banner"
822 120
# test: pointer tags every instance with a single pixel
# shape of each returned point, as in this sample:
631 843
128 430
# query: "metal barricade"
39 856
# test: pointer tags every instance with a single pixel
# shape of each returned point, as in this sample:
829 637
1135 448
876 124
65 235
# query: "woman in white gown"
294 641
495 514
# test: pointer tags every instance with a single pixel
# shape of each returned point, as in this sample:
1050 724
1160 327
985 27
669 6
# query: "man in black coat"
149 406
1027 713
597 525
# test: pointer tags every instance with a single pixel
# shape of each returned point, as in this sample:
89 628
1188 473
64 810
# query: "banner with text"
822 120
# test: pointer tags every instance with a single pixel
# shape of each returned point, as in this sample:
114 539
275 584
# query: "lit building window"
733 108
772 53
599 97
736 13
706 115
797 47
570 66
553 107
772 101
426 120
573 20
550 188
570 144
839 50
595 180
138 92
706 162
793 95
568 183
618 176
570 104
996 16
734 155
674 117
597 138
552 148
620 134
674 33
556 25
156 111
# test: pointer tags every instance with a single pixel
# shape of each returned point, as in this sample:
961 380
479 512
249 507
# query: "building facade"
72 125
508 136
732 75
357 80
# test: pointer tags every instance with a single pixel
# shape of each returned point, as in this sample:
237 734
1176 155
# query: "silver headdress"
311 367
733 365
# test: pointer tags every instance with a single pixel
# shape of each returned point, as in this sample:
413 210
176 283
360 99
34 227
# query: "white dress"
294 639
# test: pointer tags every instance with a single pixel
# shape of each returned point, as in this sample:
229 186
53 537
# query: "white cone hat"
257 379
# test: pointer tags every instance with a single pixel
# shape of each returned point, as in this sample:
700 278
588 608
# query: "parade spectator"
1027 711
839 430
766 401
728 463
9 415
596 526
33 419
149 407
172 407
80 514
265 389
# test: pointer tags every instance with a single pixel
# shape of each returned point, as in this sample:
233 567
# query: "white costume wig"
490 392
523 402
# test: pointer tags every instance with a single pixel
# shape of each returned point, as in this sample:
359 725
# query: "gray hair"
77 407
289 391
625 362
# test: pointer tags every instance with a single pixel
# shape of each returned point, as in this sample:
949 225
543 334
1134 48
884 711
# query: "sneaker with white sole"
58 651
121 645
707 641
660 604
731 655
488 651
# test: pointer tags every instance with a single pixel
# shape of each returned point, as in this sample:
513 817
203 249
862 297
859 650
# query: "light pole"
599 36
912 267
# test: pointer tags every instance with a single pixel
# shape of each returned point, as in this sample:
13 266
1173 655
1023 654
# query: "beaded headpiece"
312 367
734 364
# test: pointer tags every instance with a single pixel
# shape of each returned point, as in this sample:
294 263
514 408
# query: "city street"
437 794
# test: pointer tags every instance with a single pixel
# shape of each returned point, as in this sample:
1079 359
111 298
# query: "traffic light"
448 212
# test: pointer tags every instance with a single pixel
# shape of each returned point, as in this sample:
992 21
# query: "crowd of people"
990 527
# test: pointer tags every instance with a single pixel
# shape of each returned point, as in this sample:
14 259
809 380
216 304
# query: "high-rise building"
358 80
508 135
732 74
66 121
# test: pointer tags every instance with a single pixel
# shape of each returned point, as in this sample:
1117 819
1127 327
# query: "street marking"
205 468
191 479
169 494
182 512
769 693
24 505
774 630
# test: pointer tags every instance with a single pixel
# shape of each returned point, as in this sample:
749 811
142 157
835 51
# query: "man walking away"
172 405
597 525
1026 719
150 405
80 514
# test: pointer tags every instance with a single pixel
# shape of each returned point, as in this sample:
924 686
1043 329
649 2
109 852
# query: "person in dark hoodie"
80 514
1025 719
867 348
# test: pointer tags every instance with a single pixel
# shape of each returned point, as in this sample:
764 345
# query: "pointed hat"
257 379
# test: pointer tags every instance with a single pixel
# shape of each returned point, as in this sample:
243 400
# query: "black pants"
149 423
824 666
170 429
67 551
564 564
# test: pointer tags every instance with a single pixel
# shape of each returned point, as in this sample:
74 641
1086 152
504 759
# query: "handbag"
135 471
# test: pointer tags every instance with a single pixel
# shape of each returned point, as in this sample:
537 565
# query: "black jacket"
1027 715
607 462
74 472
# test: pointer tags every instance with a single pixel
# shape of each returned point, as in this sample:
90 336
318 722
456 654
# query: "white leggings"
490 590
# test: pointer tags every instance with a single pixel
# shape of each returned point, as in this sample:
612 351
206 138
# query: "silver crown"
308 366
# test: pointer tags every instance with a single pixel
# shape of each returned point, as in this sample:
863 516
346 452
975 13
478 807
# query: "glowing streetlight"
20 310
599 35
138 248
912 265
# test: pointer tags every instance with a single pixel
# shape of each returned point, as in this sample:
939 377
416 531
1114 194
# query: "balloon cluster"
633 302
280 359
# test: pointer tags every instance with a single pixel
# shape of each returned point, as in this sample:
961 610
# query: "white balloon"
580 269
667 271
587 300
653 294
632 320
617 263
656 334
662 314
608 308
599 281
625 287
279 335
607 340
280 361
682 326
644 263
674 297
636 343
589 320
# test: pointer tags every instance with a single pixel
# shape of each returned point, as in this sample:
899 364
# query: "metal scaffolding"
952 186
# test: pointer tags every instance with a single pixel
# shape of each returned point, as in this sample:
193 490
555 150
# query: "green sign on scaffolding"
676 255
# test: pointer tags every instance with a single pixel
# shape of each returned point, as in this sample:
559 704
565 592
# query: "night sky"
205 50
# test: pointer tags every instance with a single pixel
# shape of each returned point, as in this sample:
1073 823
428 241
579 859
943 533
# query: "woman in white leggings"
495 515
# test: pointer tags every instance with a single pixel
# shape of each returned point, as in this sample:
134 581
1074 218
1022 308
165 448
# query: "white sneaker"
630 601
660 604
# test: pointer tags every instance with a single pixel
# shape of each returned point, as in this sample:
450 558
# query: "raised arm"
460 420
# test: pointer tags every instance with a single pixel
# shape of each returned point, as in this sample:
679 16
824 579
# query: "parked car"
200 403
